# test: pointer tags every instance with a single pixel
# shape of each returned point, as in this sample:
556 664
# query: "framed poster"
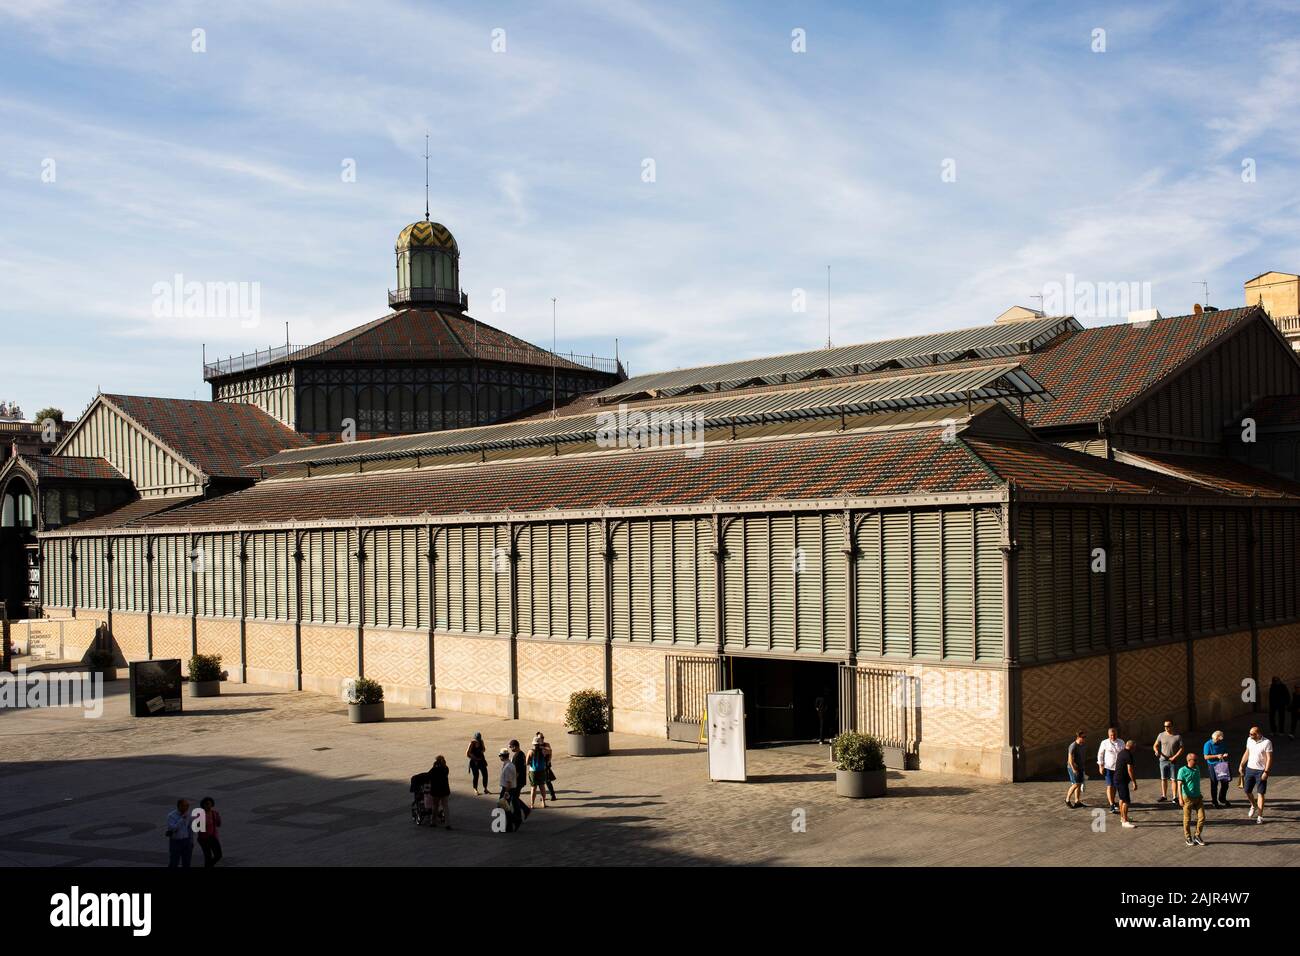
726 717
155 687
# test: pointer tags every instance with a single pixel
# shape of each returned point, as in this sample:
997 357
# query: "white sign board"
727 735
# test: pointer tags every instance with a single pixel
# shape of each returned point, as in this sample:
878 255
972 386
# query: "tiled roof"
1222 474
132 513
858 465
1042 466
218 437
424 335
1093 371
72 467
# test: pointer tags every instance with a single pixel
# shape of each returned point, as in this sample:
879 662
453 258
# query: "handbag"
1222 771
503 803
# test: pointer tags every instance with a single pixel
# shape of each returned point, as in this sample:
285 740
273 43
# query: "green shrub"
854 751
204 667
366 691
101 660
587 713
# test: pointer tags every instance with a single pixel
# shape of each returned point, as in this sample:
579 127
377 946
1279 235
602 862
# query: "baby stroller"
421 800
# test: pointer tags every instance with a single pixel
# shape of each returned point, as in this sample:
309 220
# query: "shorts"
1255 781
1167 770
537 778
1075 776
1110 778
1121 790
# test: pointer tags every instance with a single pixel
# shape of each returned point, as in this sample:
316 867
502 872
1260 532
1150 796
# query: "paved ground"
297 784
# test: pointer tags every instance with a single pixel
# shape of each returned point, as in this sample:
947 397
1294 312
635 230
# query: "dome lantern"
428 267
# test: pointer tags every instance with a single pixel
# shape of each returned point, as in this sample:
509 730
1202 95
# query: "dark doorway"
781 698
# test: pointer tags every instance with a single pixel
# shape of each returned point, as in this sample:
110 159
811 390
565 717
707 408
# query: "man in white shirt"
507 778
1107 754
1256 763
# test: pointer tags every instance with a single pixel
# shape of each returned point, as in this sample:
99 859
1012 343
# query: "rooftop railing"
409 352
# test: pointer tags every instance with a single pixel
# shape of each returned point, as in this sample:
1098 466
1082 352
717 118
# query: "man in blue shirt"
180 836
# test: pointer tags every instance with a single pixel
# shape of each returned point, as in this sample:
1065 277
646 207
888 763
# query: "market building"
971 543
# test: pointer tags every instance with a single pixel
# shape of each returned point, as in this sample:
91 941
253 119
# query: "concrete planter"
860 784
588 745
366 713
205 688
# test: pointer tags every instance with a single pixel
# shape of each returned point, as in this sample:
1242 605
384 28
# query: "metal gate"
688 680
885 703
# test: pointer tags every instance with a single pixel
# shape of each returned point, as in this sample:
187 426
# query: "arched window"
370 405
401 410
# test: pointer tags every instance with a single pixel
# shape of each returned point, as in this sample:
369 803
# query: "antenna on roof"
1205 292
553 401
1040 303
426 177
828 306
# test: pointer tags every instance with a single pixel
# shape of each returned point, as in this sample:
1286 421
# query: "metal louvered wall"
1170 573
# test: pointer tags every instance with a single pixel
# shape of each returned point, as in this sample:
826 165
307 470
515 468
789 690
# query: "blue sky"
225 166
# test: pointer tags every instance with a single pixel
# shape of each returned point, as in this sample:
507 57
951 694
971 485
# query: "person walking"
1168 749
1219 766
508 801
540 738
1279 702
1107 754
1124 780
180 836
477 754
440 791
1189 795
537 773
210 832
1256 763
1074 769
519 760
1295 708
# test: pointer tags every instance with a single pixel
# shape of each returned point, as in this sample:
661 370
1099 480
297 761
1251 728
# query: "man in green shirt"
1189 795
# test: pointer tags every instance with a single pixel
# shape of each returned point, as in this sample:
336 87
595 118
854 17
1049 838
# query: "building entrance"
781 698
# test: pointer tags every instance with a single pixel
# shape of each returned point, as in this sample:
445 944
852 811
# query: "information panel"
726 718
155 687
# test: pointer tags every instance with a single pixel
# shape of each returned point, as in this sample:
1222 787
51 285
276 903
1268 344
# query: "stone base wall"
131 635
171 638
1279 656
963 724
271 650
220 635
472 674
399 659
549 671
1057 700
329 657
1222 664
638 683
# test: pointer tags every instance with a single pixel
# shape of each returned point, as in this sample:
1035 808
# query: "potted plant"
587 720
205 675
859 766
103 662
365 701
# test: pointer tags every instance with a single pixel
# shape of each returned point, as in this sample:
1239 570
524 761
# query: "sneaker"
1251 812
476 791
1070 805
1188 841
1198 841
1259 819
1114 808
1225 805
1163 800
1080 804
1128 826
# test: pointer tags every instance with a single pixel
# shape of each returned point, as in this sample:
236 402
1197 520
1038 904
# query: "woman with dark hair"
477 754
440 792
210 834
